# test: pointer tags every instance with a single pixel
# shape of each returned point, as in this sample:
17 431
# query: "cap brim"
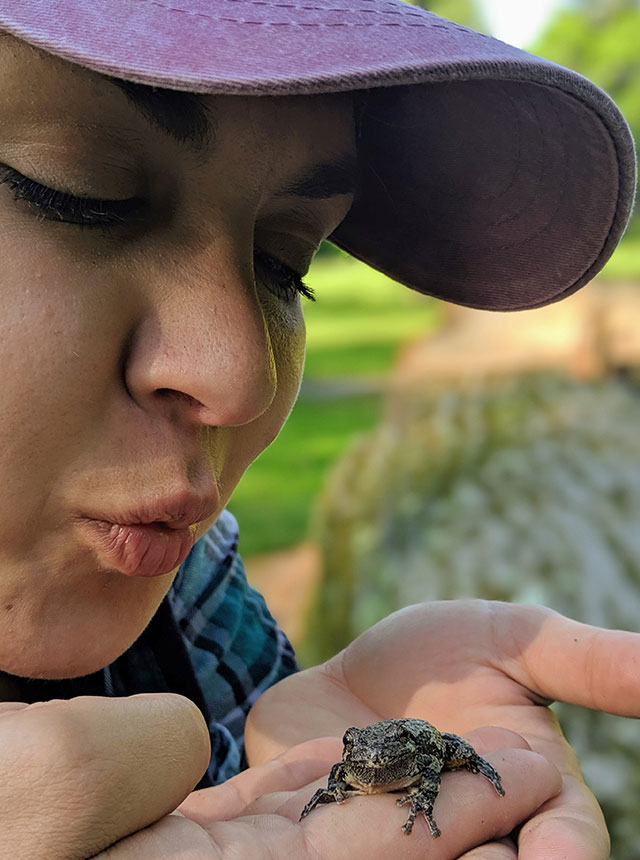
489 177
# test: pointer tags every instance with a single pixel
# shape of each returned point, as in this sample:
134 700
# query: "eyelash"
284 281
82 211
281 279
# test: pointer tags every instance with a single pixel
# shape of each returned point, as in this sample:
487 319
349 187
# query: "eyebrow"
181 115
185 118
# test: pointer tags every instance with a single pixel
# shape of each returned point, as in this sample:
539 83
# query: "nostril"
172 394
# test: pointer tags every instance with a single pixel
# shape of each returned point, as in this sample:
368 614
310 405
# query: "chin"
69 644
65 659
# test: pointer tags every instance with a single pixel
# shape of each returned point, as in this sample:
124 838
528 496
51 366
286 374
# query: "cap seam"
395 11
425 16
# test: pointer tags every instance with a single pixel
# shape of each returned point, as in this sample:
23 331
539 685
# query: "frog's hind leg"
459 754
422 797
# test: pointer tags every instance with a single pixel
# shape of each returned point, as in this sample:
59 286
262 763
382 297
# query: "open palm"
256 814
462 665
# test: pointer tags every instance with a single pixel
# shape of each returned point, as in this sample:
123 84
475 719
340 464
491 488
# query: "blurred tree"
602 8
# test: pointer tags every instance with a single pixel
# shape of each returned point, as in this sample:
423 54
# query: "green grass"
360 319
624 265
274 499
354 328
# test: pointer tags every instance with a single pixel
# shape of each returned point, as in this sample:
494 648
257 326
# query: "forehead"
45 88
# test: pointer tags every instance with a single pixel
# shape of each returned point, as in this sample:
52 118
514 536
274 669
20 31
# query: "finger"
568 827
489 738
311 761
538 729
467 809
76 774
170 838
10 707
469 814
566 660
290 771
505 849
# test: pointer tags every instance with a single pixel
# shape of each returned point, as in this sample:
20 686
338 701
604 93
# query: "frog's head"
380 754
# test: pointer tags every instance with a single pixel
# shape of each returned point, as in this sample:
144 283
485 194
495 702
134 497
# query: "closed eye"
52 204
56 205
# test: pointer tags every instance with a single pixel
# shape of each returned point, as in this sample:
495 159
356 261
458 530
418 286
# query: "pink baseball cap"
488 177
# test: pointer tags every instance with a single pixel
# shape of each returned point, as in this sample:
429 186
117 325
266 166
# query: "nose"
202 345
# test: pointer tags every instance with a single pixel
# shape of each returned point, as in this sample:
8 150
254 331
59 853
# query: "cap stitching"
229 19
394 10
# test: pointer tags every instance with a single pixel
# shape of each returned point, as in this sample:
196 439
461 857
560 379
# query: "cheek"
59 322
288 344
59 343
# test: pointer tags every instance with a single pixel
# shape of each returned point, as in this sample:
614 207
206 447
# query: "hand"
255 815
77 775
81 775
461 665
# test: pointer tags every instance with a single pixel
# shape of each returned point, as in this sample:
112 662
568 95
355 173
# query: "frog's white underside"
381 787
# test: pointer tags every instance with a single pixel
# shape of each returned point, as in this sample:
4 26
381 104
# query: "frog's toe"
401 801
433 827
322 795
407 827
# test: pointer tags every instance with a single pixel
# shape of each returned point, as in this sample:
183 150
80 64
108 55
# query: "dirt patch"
588 335
287 580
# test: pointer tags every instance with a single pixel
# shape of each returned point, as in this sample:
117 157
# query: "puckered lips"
149 540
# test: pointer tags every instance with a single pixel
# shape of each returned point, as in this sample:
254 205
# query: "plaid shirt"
235 646
212 639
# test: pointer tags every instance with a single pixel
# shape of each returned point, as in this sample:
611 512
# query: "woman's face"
143 365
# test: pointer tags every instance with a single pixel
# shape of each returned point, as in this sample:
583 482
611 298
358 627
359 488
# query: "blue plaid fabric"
234 644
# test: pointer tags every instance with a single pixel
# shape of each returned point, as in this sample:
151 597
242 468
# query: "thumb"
77 775
562 659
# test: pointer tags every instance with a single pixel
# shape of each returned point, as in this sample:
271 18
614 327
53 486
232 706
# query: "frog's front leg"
337 791
422 797
459 754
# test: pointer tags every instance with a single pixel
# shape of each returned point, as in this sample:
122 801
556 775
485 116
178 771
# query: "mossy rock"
525 491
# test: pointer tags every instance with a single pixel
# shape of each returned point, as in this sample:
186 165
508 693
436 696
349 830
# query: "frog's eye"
398 730
405 734
349 736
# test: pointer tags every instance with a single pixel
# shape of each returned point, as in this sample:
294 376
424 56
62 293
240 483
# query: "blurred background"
439 452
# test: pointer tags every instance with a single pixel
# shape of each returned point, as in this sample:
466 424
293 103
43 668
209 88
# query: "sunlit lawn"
354 328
